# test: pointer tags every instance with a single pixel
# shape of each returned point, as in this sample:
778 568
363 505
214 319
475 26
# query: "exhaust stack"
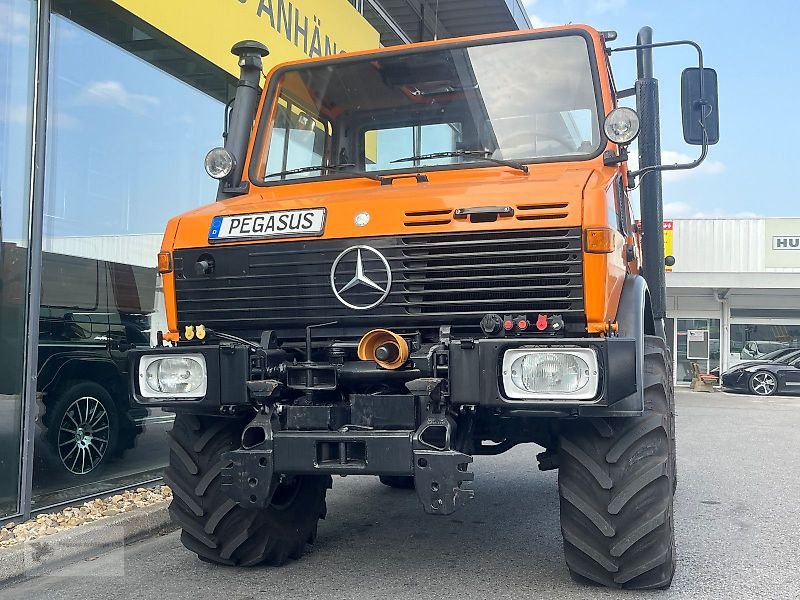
243 112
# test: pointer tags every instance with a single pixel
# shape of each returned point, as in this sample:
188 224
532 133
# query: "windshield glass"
526 101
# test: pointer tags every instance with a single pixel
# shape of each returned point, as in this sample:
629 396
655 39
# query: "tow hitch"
439 471
248 478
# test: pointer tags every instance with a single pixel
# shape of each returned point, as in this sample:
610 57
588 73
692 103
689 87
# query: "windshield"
525 101
769 347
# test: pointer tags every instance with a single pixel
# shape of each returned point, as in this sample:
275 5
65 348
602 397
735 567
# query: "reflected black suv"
92 313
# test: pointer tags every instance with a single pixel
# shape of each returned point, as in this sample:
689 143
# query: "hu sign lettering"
781 236
786 242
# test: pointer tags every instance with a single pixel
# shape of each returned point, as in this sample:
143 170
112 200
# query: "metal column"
34 279
650 193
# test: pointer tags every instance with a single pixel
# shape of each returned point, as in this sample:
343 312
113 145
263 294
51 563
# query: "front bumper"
735 380
405 434
470 368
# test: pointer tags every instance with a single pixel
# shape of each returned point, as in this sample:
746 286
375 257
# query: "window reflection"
125 152
16 100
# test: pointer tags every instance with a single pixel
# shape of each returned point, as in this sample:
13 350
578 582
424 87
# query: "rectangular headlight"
550 373
173 376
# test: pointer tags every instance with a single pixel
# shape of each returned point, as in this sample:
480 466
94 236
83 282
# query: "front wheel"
763 383
83 426
214 526
617 482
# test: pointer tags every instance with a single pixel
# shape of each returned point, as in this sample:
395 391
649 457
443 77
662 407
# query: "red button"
522 324
541 322
508 325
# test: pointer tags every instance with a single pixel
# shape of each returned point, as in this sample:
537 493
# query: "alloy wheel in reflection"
83 435
763 383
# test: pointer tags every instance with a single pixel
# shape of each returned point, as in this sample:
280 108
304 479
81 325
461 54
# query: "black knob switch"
492 324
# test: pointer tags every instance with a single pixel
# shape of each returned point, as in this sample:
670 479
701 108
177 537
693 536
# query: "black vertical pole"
34 280
650 193
243 112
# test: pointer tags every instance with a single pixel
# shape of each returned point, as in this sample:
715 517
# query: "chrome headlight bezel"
515 392
148 392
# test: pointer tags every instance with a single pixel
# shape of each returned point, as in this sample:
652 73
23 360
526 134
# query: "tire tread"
616 481
215 527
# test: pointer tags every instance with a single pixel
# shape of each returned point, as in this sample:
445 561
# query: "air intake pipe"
243 112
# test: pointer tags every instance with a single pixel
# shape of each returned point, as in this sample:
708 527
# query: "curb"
49 553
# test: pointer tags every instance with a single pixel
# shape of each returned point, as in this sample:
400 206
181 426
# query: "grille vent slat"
542 212
446 278
429 218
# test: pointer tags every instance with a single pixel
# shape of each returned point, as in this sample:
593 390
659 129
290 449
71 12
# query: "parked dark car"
777 372
92 313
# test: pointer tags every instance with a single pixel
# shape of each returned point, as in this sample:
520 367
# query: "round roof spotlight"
219 163
622 125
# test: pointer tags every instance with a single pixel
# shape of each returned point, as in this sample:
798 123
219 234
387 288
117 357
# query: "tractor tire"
400 482
214 526
617 482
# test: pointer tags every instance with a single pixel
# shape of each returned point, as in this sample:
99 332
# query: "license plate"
282 223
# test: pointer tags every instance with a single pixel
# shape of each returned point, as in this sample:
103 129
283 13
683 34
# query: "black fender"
635 320
92 366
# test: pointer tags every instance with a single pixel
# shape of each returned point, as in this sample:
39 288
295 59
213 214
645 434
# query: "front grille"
436 279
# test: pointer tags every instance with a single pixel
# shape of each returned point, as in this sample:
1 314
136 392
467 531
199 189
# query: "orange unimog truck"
419 255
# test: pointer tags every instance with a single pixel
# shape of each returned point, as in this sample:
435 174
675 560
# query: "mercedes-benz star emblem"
359 281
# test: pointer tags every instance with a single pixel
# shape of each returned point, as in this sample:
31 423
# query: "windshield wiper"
338 168
476 154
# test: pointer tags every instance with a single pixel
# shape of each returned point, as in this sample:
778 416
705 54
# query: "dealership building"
734 290
107 108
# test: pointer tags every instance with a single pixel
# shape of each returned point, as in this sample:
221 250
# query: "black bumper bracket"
248 477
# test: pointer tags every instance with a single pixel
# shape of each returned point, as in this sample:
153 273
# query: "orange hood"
550 196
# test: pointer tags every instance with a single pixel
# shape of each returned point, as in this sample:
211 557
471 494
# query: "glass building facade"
17 50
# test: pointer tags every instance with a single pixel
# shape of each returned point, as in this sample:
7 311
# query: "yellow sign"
668 241
291 29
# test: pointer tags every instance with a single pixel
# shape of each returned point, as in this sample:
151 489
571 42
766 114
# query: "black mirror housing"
695 106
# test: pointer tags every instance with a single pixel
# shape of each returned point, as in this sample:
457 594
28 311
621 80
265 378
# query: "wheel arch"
635 320
60 371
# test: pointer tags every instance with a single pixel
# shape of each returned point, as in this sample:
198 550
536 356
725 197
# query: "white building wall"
139 250
718 245
722 246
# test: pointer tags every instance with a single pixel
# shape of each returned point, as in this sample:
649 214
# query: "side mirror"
699 109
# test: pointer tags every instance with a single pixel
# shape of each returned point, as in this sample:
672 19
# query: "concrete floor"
738 528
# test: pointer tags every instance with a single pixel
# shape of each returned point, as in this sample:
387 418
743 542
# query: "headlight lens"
219 163
548 374
622 125
182 376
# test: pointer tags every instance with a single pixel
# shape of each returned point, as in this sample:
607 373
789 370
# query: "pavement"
737 519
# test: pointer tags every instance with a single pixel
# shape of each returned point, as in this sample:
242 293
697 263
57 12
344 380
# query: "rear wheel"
616 482
401 482
214 526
